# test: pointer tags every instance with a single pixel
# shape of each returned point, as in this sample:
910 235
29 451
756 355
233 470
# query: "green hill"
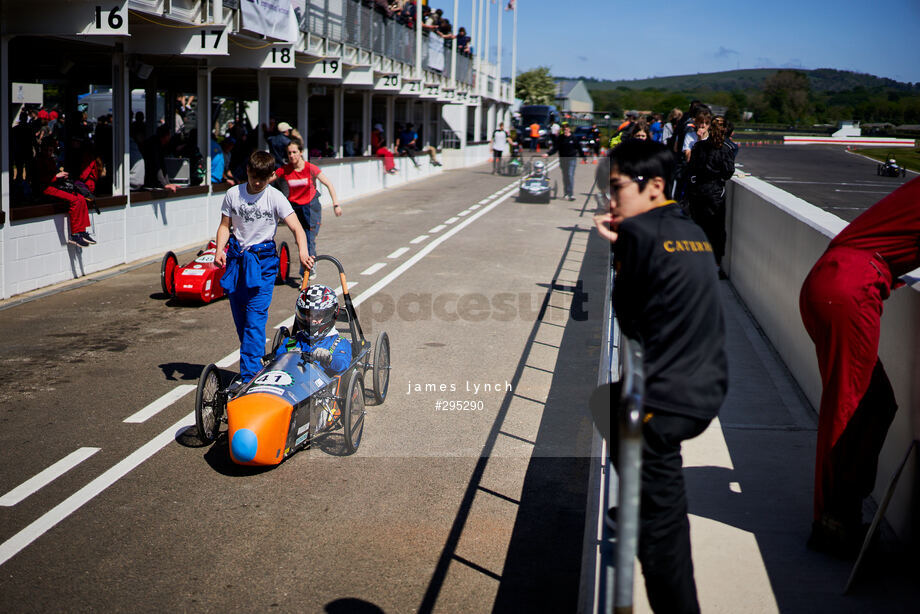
821 80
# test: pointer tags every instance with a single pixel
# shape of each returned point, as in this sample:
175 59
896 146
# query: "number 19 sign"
327 68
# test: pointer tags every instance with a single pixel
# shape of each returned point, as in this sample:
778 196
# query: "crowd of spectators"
404 12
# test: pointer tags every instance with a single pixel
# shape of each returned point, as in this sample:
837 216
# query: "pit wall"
34 253
774 240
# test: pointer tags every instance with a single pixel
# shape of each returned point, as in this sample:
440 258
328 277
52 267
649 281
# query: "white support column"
303 108
514 55
498 55
426 122
388 126
265 98
366 108
477 121
205 127
338 119
4 160
121 116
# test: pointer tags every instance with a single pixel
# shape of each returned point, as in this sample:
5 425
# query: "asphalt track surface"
826 176
446 511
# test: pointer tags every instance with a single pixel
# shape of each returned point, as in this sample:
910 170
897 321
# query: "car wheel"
353 412
207 411
381 373
168 274
284 263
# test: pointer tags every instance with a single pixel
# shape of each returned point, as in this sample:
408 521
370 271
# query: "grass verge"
908 158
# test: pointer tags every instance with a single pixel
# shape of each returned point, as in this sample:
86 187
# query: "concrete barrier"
774 239
864 141
34 253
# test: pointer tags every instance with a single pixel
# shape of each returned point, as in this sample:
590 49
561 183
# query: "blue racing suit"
249 281
338 346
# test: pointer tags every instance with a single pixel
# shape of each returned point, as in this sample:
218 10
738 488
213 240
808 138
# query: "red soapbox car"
199 280
292 399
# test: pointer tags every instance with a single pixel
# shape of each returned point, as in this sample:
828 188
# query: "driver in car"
539 170
315 314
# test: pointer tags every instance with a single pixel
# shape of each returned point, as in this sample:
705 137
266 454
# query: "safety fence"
358 24
616 540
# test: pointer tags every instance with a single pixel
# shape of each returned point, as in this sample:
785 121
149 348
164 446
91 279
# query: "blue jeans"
567 166
316 218
249 307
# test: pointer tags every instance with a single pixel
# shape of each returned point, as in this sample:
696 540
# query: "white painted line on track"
474 207
418 239
399 252
484 201
464 213
373 268
229 359
47 521
162 403
437 228
45 477
862 191
451 220
425 251
68 506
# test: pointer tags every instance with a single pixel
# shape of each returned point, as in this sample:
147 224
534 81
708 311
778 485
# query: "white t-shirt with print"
254 217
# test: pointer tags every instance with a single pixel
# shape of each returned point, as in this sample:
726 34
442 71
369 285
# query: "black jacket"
710 167
567 146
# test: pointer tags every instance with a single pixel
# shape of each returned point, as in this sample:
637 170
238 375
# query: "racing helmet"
891 161
539 167
316 311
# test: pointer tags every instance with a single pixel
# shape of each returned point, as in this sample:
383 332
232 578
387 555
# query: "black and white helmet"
316 311
539 167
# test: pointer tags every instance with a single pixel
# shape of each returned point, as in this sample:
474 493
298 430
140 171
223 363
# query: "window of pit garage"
61 117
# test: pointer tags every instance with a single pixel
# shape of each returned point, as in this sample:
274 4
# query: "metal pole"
479 39
453 46
514 54
487 43
498 58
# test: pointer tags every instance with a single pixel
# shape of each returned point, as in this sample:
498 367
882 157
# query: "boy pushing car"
249 217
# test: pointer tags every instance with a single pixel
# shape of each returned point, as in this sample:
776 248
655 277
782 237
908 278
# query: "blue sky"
617 40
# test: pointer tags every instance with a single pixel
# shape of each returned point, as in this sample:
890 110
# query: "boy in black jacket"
666 295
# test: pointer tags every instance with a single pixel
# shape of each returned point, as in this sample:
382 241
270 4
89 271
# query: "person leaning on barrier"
666 295
841 306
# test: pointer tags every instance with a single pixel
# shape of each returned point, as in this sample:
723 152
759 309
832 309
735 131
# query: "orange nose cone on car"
258 427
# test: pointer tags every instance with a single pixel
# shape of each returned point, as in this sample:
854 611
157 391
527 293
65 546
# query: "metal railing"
359 24
621 360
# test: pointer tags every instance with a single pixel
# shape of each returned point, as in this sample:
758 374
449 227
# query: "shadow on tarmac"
542 566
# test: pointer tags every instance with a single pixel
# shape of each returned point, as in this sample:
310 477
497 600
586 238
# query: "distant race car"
535 186
199 280
890 168
292 400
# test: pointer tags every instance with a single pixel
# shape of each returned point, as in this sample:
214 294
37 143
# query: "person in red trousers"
378 146
48 175
841 307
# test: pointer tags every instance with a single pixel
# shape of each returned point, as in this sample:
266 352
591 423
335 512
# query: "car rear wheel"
284 263
207 409
168 274
353 412
381 373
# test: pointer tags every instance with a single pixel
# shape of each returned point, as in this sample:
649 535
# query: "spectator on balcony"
445 29
378 146
386 7
432 19
463 41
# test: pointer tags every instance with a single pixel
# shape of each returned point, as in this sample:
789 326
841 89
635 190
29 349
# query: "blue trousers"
250 313
567 166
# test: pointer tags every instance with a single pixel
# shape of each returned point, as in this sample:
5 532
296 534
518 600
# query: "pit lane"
436 509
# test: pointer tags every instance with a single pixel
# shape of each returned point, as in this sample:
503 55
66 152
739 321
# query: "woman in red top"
301 177
378 146
841 306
